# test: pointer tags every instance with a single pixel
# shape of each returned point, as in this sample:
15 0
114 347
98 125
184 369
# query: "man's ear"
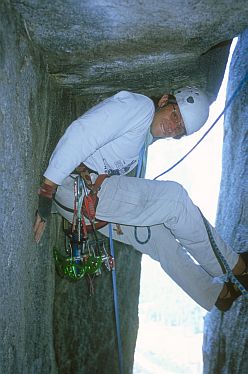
163 101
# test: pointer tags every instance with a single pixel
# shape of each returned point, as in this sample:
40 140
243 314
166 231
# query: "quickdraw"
83 255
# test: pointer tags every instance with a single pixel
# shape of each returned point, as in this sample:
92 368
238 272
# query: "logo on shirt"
120 169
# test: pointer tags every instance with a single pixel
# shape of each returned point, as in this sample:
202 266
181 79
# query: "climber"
107 139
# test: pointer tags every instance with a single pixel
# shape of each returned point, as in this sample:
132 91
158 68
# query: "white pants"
177 230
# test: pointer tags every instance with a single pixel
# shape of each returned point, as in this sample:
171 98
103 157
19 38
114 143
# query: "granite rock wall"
30 124
47 324
50 72
225 348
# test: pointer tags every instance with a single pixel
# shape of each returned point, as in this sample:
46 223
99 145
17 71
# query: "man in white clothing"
107 140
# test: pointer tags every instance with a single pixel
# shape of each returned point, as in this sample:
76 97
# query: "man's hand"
46 192
39 227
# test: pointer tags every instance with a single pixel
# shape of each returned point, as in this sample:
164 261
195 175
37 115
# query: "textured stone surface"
57 59
36 309
29 121
232 217
101 45
226 334
84 328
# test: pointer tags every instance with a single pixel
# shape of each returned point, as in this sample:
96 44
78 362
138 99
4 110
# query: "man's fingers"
39 231
38 220
39 227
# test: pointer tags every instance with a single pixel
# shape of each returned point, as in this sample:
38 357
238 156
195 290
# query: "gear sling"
83 256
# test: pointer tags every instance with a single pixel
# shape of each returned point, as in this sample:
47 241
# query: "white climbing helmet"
194 107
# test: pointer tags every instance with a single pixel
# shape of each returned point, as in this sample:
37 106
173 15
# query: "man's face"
168 122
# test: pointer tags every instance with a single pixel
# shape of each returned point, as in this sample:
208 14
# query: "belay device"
83 256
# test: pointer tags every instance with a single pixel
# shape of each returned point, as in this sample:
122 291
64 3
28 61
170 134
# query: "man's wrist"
50 183
46 192
47 189
44 207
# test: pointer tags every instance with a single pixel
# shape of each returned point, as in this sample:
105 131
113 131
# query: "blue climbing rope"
228 274
111 243
148 235
245 79
117 315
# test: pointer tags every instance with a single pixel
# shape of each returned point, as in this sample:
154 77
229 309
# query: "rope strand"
210 128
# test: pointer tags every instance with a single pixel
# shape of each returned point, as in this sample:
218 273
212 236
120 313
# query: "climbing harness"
83 256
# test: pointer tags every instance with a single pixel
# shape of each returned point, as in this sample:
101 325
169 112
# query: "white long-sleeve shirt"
107 138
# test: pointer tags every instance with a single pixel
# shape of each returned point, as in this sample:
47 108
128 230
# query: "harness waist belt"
84 172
